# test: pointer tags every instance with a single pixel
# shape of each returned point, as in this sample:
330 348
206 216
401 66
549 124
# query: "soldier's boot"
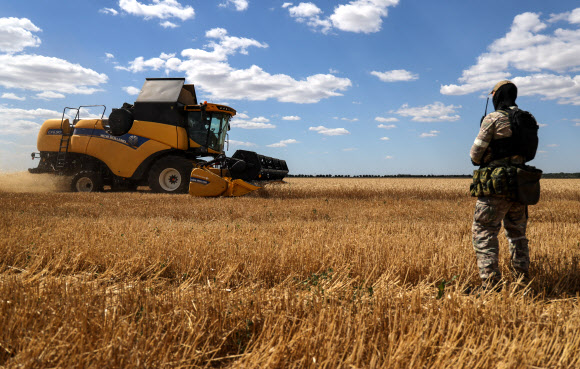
491 284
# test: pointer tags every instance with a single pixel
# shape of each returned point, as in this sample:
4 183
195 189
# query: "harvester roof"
167 90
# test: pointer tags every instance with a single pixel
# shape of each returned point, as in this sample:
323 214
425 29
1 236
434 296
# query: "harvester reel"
170 175
87 181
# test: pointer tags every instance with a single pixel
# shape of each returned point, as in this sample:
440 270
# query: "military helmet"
499 84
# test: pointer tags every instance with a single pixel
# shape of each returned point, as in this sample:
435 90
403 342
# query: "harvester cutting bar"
258 167
246 172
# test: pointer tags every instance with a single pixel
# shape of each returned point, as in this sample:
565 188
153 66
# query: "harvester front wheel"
170 175
87 181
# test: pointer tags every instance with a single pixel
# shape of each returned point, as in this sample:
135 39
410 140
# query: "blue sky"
333 87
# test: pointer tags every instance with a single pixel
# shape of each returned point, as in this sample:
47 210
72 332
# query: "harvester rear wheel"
170 175
87 181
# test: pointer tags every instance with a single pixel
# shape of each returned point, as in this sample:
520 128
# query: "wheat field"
313 273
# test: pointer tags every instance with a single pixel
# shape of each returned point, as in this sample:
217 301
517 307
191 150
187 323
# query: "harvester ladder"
67 129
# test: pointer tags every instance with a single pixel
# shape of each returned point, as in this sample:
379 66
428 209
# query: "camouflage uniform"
491 211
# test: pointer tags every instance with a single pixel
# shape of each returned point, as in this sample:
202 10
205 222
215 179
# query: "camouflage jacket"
494 126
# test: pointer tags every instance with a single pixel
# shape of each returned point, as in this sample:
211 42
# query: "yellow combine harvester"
159 142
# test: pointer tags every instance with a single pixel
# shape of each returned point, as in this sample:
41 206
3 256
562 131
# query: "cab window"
197 129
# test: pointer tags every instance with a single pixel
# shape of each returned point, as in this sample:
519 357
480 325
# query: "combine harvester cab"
162 141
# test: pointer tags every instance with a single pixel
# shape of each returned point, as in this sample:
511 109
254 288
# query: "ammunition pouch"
521 184
528 185
494 181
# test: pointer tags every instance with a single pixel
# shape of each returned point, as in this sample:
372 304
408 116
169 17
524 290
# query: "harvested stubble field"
332 273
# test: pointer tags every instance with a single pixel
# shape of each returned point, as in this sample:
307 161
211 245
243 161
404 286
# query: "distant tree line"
561 175
379 176
545 175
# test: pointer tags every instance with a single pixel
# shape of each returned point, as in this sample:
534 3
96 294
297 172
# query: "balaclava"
505 96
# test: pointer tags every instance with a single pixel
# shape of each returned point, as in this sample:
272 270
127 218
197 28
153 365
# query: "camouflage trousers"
487 219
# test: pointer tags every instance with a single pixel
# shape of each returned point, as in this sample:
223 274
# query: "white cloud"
24 122
161 9
43 73
51 76
253 123
552 145
329 131
109 56
132 90
241 143
240 5
577 124
396 75
574 16
309 13
140 64
109 11
347 119
350 149
212 74
19 127
14 114
16 34
283 143
17 145
385 139
95 112
389 157
436 112
360 16
537 61
168 24
364 16
11 96
49 95
291 117
430 134
304 10
387 126
386 120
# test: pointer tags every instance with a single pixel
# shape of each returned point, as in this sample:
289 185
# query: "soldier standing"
490 211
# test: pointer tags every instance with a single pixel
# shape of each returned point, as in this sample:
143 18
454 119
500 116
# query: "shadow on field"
354 193
557 276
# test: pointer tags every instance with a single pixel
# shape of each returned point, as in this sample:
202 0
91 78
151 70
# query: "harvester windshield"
209 131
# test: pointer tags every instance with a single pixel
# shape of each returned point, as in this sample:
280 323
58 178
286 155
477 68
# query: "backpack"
524 139
525 132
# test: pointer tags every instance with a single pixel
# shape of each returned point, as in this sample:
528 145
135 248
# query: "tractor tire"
170 175
87 181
